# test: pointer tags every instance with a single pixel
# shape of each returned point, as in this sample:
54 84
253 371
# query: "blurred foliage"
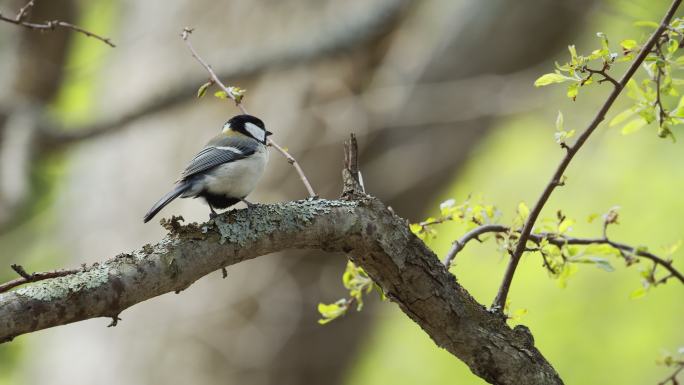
75 102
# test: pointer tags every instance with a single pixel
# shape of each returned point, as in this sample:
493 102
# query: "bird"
226 170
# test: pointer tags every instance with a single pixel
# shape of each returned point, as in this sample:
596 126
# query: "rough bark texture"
409 273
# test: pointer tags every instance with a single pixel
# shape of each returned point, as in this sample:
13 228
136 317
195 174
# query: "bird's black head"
247 125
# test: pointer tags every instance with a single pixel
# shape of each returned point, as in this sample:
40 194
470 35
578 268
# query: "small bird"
226 170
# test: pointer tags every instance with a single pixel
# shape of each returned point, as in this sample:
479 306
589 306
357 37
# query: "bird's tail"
180 188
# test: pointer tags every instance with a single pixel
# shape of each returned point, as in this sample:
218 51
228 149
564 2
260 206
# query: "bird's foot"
250 205
213 214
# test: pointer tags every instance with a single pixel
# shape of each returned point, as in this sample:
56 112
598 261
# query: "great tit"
226 170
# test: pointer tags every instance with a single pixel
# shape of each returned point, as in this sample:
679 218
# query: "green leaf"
559 121
221 94
602 264
628 44
332 311
573 91
568 270
604 42
632 126
634 91
517 315
638 293
415 228
621 117
671 249
672 46
447 207
523 210
646 23
550 78
203 89
565 225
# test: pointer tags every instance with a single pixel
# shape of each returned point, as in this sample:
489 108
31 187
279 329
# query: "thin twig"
672 378
50 25
557 177
24 11
561 241
458 245
34 277
230 93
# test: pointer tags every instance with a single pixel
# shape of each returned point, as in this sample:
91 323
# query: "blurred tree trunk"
36 75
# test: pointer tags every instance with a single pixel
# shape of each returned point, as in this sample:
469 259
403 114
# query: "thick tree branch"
50 25
557 178
408 272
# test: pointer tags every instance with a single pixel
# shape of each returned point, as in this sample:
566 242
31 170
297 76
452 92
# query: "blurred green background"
591 331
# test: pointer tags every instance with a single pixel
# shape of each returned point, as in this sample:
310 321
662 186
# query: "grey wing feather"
219 152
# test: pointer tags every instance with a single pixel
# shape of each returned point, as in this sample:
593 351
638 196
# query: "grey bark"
408 272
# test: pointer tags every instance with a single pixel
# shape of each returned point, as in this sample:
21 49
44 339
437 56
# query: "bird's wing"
218 152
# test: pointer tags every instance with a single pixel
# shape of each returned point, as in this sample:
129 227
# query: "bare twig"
560 241
24 11
50 25
672 378
603 72
230 92
458 245
34 277
500 299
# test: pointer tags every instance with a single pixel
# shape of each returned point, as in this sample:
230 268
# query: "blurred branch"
407 271
236 96
358 32
672 378
33 277
560 241
51 25
557 178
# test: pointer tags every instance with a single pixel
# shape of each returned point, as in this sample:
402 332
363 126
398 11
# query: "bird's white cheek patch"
257 132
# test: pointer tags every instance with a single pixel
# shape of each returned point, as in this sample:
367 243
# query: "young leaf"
621 117
332 311
565 225
646 23
628 44
523 210
632 126
638 293
573 90
559 121
550 78
602 264
203 89
221 94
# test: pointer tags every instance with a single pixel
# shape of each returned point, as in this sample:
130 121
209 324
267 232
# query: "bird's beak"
268 133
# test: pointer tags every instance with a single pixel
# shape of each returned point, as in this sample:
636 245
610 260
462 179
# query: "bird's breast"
238 178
